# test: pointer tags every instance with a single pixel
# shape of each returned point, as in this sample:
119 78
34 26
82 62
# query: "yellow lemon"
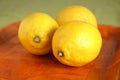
76 43
76 12
36 31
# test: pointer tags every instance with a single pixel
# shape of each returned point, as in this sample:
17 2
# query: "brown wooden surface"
17 64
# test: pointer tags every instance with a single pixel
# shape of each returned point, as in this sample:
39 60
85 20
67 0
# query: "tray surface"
18 64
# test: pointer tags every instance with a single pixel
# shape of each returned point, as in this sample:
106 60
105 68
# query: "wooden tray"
17 64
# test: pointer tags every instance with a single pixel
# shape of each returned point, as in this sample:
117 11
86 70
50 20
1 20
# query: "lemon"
76 12
76 43
36 31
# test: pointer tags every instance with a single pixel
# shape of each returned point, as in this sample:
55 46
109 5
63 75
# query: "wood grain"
17 64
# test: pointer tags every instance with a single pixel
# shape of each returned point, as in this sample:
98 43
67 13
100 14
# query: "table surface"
106 11
16 63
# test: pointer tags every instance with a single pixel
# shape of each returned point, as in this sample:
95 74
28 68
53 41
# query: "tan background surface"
106 11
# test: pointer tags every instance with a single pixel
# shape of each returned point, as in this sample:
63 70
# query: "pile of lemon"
73 37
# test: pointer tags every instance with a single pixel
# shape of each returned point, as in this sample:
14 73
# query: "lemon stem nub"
60 53
37 39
